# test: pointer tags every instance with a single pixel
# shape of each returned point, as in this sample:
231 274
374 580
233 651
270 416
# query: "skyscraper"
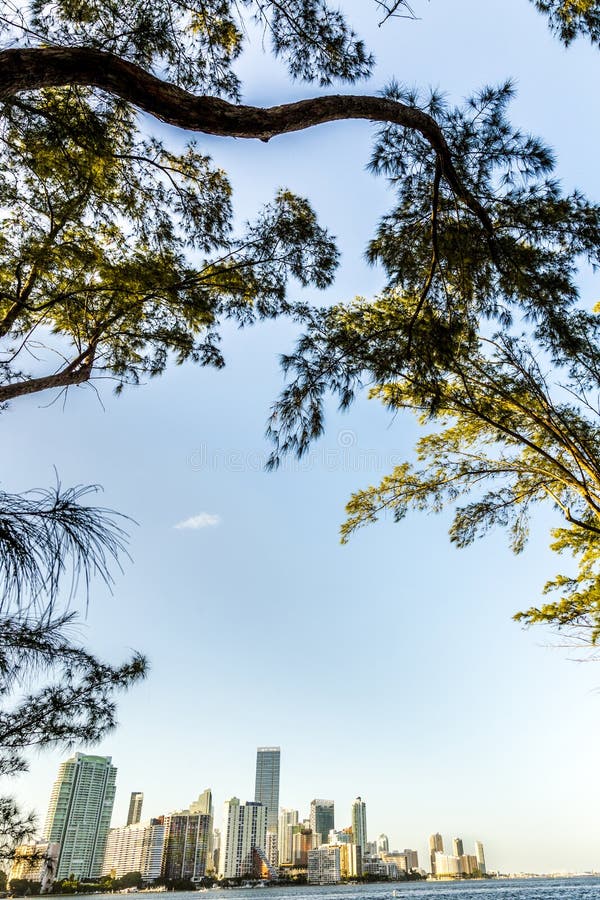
436 845
383 844
287 819
135 807
266 790
359 824
188 842
322 818
457 847
480 857
79 814
203 805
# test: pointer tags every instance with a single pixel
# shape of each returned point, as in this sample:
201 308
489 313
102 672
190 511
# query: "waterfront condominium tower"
79 814
359 824
436 845
480 857
457 847
244 838
266 790
135 808
322 818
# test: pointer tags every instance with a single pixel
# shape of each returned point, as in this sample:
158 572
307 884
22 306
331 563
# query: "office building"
457 847
188 841
266 789
359 824
288 818
134 814
244 839
79 814
436 845
322 818
480 857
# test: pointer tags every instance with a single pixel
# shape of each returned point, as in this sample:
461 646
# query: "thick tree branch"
48 67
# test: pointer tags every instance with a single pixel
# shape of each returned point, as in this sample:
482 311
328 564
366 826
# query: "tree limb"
50 67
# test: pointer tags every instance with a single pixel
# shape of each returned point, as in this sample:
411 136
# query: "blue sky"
388 668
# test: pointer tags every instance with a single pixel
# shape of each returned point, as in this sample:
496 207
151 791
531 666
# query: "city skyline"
393 680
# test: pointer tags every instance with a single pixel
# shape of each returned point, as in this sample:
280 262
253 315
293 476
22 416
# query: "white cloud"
202 520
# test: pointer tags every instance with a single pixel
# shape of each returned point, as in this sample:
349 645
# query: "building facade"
266 787
436 845
134 814
35 862
322 818
244 838
324 865
79 814
359 823
188 843
288 818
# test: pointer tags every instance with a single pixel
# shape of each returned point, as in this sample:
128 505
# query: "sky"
389 668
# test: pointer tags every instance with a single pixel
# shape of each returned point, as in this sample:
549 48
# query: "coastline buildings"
79 814
359 823
135 808
322 818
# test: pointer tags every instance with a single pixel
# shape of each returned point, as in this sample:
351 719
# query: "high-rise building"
266 789
383 844
244 838
447 866
480 857
359 824
412 859
324 865
203 806
303 840
188 840
135 809
135 848
79 814
457 847
288 818
322 818
436 845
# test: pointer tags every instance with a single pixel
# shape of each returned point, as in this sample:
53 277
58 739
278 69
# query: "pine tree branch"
48 67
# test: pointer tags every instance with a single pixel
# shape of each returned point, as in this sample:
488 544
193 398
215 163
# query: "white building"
244 831
324 864
288 818
383 844
135 848
359 823
35 862
480 857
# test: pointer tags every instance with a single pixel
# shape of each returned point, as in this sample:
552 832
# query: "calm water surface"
497 889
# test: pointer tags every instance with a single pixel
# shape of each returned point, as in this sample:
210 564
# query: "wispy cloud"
202 520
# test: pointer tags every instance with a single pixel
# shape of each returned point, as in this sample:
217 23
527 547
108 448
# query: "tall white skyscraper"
288 818
436 845
480 857
244 836
359 824
79 814
266 789
383 844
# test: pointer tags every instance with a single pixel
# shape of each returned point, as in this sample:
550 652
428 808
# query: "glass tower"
266 790
322 818
135 808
